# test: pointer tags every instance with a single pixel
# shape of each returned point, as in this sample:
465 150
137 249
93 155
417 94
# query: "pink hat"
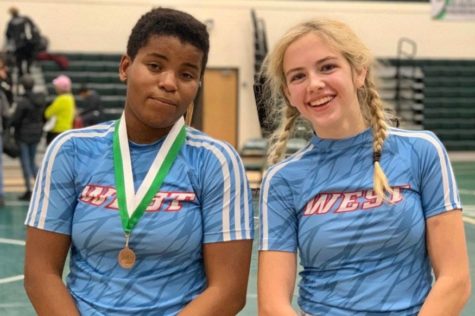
62 83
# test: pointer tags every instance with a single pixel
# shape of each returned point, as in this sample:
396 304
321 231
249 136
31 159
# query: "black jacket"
91 112
21 30
28 118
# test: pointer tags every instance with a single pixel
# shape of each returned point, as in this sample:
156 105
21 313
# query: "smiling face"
320 83
162 81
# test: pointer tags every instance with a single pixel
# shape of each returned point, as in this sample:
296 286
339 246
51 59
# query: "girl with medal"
155 214
371 210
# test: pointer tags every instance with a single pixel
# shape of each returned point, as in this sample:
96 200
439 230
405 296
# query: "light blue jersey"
359 256
205 198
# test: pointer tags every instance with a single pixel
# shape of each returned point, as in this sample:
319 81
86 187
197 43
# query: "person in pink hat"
60 113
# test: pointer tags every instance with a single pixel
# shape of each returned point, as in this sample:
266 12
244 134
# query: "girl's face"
322 86
162 81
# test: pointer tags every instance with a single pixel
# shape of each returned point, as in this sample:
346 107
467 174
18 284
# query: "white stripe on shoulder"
81 131
265 192
226 198
238 169
445 166
100 126
47 166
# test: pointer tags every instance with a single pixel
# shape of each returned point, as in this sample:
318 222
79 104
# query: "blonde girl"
371 210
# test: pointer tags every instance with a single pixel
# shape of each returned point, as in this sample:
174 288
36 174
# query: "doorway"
216 110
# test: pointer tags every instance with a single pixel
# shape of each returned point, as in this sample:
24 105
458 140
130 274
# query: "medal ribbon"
132 206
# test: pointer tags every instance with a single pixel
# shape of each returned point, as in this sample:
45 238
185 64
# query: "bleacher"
98 71
438 95
400 89
447 100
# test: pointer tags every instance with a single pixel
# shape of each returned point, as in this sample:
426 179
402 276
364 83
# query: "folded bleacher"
98 71
447 100
438 95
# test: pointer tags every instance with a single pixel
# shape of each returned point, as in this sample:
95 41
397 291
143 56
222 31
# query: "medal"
133 205
126 256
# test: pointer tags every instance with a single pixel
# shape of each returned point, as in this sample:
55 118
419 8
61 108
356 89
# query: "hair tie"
376 156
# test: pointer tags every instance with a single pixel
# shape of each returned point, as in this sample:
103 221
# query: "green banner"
453 9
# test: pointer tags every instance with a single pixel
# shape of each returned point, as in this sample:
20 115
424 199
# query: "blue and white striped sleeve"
54 194
439 191
277 218
226 200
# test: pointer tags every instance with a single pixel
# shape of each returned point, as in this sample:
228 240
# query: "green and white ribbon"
133 205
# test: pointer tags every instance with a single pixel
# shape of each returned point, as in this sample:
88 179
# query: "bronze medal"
132 204
126 258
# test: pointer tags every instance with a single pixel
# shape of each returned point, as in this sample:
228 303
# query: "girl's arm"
45 255
448 254
276 282
227 271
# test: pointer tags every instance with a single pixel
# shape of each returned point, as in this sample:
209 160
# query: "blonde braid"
379 126
281 136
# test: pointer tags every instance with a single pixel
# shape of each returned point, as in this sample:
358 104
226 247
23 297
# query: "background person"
6 83
91 111
28 123
4 117
22 37
62 109
372 210
173 252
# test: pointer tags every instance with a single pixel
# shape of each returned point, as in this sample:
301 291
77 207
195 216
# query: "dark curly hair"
169 22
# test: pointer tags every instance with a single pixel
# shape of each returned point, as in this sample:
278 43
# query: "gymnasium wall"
104 26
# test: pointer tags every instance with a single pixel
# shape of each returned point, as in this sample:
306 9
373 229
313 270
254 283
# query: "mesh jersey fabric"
204 198
359 256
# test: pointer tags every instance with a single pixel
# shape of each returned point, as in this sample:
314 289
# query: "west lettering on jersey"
98 195
343 202
322 203
349 202
177 199
372 200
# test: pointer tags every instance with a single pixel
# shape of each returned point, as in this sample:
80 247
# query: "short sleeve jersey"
359 256
204 198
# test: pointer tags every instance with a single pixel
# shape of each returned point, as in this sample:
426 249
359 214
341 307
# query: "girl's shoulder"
198 141
94 136
413 136
291 167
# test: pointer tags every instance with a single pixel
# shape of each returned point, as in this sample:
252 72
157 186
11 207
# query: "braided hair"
343 39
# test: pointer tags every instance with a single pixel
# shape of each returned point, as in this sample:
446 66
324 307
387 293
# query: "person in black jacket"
4 106
22 37
91 110
6 81
28 123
